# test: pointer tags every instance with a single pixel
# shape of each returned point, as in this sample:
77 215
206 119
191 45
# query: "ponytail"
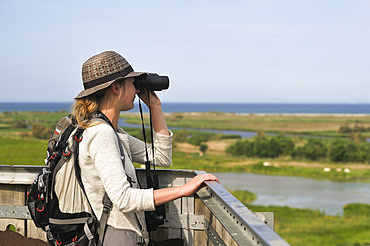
85 107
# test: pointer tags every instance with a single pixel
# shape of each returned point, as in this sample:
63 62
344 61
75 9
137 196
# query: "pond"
297 192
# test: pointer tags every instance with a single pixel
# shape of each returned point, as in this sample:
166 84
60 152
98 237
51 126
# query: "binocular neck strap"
150 183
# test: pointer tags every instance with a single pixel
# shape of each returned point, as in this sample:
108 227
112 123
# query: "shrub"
338 150
198 137
180 136
314 150
41 132
238 148
262 146
19 124
7 113
356 210
287 144
203 148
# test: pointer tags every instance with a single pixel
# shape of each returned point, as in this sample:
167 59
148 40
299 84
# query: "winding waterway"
242 134
297 192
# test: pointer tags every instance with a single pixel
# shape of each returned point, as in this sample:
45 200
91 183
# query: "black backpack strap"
106 201
107 206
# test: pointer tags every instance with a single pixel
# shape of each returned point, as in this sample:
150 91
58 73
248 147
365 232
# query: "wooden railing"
211 217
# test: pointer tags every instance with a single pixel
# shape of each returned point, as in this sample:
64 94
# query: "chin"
129 107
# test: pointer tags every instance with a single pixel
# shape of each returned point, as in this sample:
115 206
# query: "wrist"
180 191
156 107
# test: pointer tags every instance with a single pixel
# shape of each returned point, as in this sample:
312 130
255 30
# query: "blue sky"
213 51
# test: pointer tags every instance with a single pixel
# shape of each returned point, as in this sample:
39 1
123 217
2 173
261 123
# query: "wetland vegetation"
23 141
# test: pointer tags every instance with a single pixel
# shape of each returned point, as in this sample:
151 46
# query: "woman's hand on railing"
196 183
169 194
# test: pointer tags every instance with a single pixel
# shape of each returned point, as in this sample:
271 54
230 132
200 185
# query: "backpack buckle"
49 235
140 240
107 206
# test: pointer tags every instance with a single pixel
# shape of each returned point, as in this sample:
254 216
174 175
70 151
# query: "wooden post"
13 195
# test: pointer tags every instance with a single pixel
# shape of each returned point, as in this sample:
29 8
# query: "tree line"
338 150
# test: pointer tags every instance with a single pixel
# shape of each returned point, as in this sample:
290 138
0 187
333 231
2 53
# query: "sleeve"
105 155
162 152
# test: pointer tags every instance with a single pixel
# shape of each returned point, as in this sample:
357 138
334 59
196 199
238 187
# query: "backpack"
57 200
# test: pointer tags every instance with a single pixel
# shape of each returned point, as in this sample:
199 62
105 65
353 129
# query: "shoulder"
101 133
100 126
120 130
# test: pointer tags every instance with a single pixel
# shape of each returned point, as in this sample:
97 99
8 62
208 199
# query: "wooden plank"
218 227
201 209
12 194
233 242
226 237
34 232
18 224
200 237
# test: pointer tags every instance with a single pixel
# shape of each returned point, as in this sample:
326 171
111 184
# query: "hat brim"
94 89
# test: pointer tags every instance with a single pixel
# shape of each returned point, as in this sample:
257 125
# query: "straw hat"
100 71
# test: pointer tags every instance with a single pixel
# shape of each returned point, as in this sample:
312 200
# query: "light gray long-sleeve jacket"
102 170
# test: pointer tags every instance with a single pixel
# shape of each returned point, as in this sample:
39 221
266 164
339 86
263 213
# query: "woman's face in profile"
128 94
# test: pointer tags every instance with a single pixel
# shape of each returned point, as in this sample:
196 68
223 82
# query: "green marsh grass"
319 125
314 228
22 152
297 226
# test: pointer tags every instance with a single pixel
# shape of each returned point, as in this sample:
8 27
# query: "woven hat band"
108 78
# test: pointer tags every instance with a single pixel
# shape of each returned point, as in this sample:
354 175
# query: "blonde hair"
85 107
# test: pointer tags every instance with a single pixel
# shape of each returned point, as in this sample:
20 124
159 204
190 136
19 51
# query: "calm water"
276 108
323 195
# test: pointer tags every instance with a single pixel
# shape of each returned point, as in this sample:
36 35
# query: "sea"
237 108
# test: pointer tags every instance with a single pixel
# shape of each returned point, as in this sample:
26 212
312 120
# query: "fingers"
199 179
197 183
208 177
154 100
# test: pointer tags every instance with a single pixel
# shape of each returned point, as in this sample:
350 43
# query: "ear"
115 87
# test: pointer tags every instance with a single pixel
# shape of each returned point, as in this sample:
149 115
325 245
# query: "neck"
112 115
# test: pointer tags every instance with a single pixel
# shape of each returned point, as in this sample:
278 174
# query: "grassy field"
32 151
319 125
22 152
186 156
297 226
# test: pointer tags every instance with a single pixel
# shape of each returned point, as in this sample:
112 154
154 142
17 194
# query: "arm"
163 149
159 122
103 150
162 136
169 194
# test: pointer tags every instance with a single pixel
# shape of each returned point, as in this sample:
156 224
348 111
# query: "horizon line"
136 102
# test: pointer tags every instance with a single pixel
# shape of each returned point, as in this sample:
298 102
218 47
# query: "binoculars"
152 81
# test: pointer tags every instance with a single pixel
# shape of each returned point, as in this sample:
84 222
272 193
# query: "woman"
108 80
